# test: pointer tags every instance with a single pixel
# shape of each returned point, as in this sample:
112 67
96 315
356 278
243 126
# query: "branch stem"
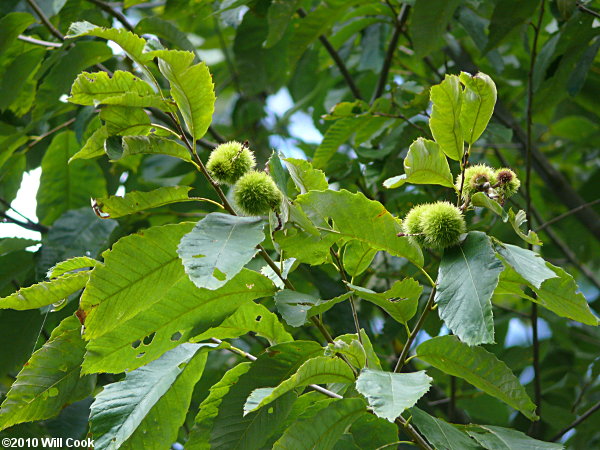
45 20
583 417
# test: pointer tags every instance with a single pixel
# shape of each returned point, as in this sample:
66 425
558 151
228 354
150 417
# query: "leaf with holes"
219 247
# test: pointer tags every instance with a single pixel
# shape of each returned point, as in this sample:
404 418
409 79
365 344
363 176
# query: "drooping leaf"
182 312
480 199
319 370
391 393
439 433
518 219
445 116
528 264
191 87
118 290
304 176
135 201
123 406
478 100
356 217
480 368
72 264
400 301
94 146
429 21
250 317
425 163
467 277
296 308
323 430
219 247
50 380
65 186
499 438
46 292
154 145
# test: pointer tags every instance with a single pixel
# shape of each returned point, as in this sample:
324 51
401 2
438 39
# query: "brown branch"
588 10
583 417
45 20
50 132
28 225
568 213
113 12
338 61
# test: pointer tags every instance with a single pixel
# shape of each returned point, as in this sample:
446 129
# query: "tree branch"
583 417
568 213
39 41
338 61
588 10
113 12
45 20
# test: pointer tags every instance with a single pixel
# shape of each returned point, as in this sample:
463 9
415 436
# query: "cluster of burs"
255 192
439 225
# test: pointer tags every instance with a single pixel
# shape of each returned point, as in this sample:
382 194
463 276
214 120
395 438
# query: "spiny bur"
229 161
435 225
256 194
507 183
478 178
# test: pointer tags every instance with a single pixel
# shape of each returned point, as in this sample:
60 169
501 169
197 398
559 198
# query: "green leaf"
9 245
124 89
125 121
192 88
21 71
498 438
209 408
357 257
50 380
164 30
296 308
285 268
304 176
337 134
389 394
400 301
279 16
46 292
445 121
518 219
429 21
439 433
480 368
319 370
133 202
231 428
65 186
425 163
94 146
528 264
123 406
72 264
480 199
349 346
154 145
478 100
219 247
11 25
467 277
181 312
324 429
120 289
356 217
506 16
372 433
250 317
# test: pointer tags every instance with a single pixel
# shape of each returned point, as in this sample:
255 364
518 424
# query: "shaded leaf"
506 16
429 21
528 264
296 308
439 433
11 25
498 438
480 199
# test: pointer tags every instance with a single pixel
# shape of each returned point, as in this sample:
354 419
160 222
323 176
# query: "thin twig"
45 20
588 10
338 61
27 225
39 41
342 271
583 417
50 132
568 213
113 12
387 62
415 331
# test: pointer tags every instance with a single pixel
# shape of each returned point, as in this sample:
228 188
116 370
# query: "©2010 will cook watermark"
47 443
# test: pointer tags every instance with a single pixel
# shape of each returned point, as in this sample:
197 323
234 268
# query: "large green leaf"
467 277
391 393
137 272
305 177
319 370
357 257
372 433
445 116
234 430
11 25
337 134
356 217
209 408
65 186
499 438
478 100
425 163
324 429
154 145
123 406
526 263
400 301
250 317
124 121
441 434
191 87
181 312
123 88
429 21
296 308
18 75
50 380
218 247
46 292
133 202
480 368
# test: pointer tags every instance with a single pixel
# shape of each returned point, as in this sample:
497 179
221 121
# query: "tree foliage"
164 315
